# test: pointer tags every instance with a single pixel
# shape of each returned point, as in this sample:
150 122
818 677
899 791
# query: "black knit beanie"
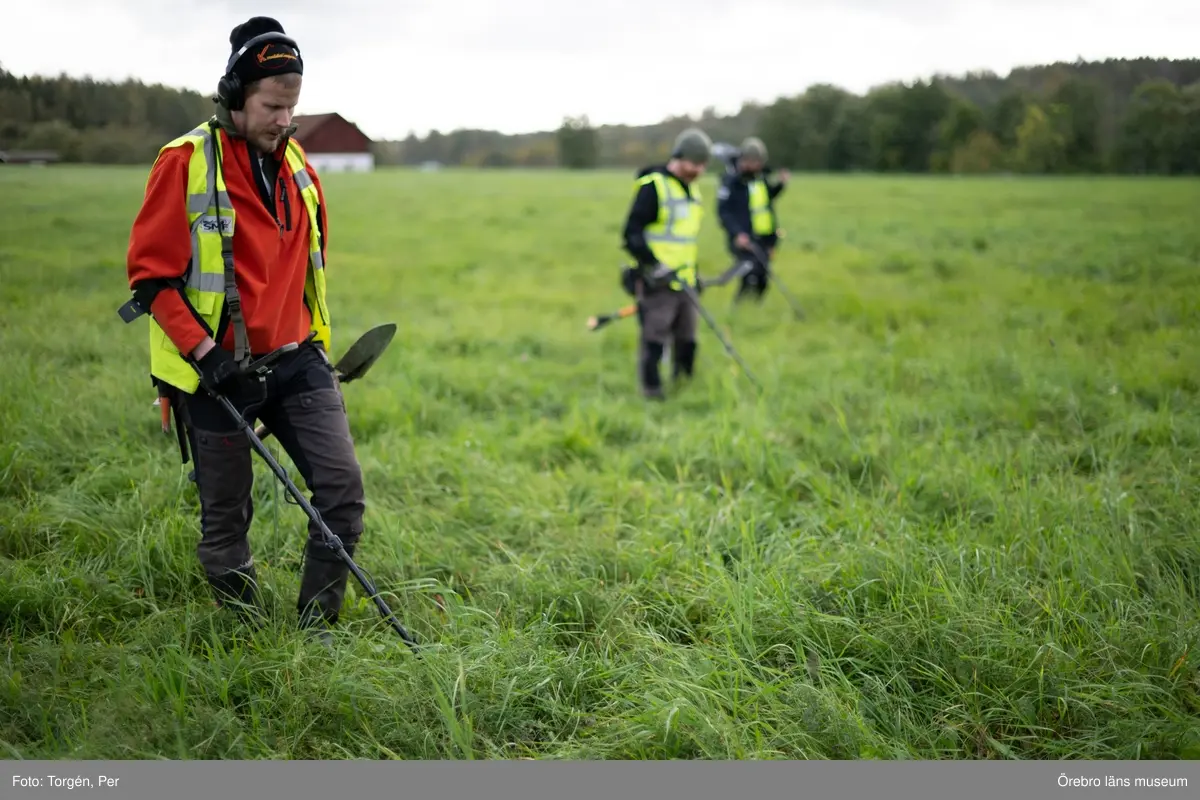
266 59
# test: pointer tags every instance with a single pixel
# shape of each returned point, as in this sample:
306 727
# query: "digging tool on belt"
600 320
357 360
262 367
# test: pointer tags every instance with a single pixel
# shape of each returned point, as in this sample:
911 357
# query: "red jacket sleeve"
160 245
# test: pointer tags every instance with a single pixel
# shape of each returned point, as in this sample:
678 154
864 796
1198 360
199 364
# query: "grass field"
960 522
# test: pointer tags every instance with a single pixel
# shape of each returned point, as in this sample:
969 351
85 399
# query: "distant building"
333 143
36 157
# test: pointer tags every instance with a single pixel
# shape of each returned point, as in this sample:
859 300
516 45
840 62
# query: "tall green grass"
961 522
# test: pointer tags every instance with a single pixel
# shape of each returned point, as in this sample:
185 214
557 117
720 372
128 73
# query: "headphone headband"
270 36
230 92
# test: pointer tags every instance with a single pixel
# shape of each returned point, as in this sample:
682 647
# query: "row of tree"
1076 124
1131 116
94 121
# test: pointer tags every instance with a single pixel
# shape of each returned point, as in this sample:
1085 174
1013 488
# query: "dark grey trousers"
666 317
301 404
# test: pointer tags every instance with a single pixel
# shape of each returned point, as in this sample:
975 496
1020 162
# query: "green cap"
693 145
754 149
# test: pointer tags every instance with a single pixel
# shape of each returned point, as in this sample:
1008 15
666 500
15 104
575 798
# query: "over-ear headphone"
230 92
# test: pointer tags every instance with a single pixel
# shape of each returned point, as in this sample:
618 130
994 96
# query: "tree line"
1117 115
100 122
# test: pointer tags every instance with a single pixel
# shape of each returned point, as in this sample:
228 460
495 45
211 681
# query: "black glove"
217 369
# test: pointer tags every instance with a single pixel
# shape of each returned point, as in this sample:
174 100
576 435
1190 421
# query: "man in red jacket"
227 256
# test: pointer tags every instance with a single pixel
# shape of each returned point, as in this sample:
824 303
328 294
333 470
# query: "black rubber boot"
684 361
237 589
322 589
652 354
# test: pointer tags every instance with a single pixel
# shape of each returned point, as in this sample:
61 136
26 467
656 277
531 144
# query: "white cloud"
524 64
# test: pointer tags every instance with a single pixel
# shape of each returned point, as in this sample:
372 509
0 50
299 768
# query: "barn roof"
326 133
25 156
308 124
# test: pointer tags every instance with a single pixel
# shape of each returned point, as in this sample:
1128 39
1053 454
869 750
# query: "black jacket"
644 211
733 202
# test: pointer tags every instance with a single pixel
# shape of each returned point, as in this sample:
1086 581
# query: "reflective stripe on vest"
762 219
673 237
208 201
314 284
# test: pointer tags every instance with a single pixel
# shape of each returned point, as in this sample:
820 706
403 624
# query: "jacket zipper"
287 205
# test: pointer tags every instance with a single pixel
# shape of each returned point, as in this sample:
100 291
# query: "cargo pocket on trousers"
319 425
321 400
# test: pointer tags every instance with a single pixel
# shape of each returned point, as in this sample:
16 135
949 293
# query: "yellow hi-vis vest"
762 219
206 279
673 237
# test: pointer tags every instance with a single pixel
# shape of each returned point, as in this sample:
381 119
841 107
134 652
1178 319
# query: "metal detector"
262 366
598 321
712 323
728 275
761 255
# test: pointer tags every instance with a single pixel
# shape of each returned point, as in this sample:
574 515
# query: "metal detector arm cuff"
145 292
170 310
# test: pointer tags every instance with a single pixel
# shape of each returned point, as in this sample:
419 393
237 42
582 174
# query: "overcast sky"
521 65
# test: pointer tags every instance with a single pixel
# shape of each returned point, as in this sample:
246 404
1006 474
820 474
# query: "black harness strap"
233 301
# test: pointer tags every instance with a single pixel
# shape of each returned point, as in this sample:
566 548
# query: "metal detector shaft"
331 539
712 323
738 269
797 311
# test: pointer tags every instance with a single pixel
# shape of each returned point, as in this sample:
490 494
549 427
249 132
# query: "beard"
268 140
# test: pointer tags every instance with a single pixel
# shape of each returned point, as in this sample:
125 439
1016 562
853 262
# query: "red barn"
333 143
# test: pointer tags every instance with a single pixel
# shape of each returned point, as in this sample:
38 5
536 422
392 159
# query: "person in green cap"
746 208
662 233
